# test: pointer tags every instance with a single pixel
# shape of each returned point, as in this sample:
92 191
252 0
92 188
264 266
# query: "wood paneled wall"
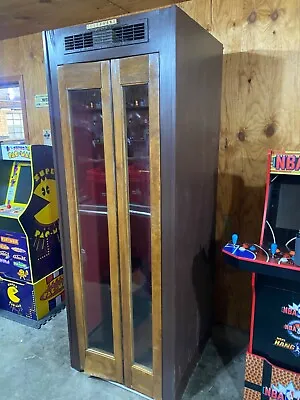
260 110
24 56
260 101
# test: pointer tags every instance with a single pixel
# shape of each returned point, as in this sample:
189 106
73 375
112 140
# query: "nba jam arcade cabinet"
135 107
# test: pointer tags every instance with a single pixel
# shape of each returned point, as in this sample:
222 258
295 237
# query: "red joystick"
8 206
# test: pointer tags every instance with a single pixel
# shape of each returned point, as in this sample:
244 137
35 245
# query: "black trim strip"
267 374
266 381
252 386
266 378
256 388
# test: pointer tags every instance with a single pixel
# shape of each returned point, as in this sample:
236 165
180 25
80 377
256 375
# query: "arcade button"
245 245
242 248
284 260
252 248
8 206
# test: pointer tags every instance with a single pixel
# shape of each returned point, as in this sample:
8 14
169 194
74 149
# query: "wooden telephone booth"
135 105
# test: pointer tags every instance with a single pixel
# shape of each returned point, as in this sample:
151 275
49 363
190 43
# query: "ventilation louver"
77 42
111 36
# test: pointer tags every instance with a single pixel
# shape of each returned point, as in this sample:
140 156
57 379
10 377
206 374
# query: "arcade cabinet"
273 357
31 274
135 118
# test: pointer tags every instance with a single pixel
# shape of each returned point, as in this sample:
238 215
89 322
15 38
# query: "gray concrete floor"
35 365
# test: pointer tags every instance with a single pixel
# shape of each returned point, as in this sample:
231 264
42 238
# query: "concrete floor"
34 365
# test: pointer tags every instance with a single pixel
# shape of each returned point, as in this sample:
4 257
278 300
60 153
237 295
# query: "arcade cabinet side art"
273 358
31 273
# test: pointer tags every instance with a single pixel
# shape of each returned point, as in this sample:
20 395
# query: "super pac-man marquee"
31 277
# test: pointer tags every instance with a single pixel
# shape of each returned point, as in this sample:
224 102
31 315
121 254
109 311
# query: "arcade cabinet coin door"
126 243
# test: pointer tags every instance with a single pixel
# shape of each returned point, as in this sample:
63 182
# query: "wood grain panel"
88 76
132 71
142 381
123 221
260 94
110 177
73 216
155 190
201 9
24 57
82 76
102 367
19 17
125 71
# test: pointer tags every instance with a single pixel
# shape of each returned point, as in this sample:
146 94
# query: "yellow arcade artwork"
31 272
12 294
47 191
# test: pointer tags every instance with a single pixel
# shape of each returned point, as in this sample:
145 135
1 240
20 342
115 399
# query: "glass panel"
137 118
11 117
87 130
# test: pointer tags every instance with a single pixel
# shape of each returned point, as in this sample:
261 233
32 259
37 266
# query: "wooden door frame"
139 70
92 75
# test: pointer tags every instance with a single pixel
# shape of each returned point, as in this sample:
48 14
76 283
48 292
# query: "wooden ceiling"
21 17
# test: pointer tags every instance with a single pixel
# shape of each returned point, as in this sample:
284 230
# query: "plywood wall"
260 110
24 56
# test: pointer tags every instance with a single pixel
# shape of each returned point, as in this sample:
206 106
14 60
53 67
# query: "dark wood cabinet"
135 107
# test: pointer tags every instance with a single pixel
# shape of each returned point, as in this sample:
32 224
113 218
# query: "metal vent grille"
111 36
77 42
128 33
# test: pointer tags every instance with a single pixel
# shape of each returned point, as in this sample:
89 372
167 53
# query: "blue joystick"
273 249
234 238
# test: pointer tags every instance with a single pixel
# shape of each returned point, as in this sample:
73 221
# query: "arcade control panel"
273 261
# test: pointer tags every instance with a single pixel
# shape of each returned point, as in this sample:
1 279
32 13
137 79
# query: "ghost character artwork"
30 254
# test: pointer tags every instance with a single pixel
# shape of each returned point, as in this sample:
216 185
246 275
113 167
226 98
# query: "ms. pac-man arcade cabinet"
31 273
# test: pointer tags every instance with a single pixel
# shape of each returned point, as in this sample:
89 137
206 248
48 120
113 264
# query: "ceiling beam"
22 17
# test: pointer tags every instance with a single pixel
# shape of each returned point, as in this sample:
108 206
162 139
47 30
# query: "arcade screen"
5 171
283 213
24 185
288 212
